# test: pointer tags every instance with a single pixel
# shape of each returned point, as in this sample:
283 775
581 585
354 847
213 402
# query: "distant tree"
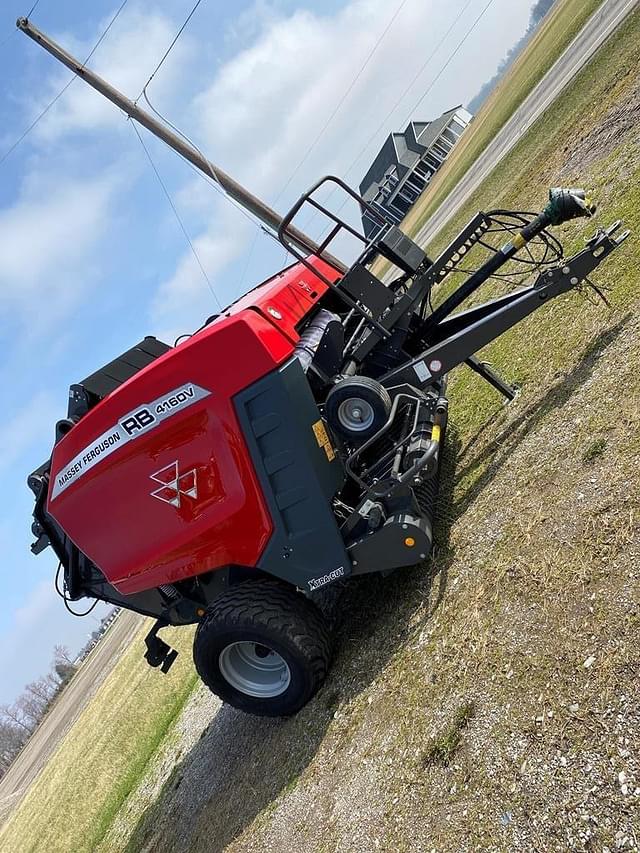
538 11
15 715
61 654
12 739
42 689
32 705
64 672
19 720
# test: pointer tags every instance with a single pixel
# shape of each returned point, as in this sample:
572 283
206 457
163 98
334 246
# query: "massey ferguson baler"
293 442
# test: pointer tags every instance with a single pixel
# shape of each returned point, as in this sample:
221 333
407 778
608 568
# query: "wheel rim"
254 669
355 414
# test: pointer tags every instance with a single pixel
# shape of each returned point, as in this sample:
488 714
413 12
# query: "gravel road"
92 673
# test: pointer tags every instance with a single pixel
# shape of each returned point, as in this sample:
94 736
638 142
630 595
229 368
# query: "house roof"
402 150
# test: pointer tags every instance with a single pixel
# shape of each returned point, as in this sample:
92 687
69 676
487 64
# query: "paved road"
58 722
577 54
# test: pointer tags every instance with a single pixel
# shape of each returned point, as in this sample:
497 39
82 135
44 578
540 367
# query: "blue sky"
91 256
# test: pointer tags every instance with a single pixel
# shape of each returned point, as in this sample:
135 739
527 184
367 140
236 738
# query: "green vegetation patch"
99 763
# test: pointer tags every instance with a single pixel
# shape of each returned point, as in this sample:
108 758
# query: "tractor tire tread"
275 608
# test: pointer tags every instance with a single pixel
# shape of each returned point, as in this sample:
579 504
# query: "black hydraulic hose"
563 205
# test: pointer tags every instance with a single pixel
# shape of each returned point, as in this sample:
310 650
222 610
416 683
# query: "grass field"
73 802
493 705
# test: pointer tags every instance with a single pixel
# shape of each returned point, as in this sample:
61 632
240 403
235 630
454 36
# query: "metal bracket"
159 653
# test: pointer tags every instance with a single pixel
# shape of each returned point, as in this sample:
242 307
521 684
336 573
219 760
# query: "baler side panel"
300 473
139 540
288 297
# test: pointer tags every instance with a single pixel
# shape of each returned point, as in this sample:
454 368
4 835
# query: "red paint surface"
138 541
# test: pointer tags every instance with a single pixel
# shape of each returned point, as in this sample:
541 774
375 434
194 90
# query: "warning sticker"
320 432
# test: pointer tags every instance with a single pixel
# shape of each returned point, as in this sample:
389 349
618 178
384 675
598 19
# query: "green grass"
537 568
73 802
443 747
595 449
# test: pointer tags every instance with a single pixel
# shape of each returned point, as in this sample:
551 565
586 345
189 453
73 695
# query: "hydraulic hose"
563 205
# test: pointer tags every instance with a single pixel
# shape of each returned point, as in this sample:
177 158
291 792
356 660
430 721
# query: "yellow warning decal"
518 241
435 432
320 432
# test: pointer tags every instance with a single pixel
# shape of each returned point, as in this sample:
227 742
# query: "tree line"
19 720
538 11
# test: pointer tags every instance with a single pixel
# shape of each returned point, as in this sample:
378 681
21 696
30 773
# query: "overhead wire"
419 73
57 97
450 59
169 49
215 183
344 97
176 214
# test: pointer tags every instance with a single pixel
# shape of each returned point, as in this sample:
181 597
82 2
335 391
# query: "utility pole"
235 190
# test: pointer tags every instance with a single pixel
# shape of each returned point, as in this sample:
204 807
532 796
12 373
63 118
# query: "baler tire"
264 614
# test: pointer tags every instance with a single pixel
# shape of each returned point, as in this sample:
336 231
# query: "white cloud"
268 103
185 300
44 237
125 59
262 109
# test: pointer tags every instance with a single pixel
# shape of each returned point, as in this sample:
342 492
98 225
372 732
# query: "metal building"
406 162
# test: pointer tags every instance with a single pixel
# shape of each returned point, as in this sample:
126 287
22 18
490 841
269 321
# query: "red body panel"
139 540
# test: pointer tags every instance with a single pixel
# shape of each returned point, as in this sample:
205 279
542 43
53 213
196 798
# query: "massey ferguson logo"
174 485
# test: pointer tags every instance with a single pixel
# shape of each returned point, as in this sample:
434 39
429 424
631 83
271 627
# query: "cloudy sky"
91 256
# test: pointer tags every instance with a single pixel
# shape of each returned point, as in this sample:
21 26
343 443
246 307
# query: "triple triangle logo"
175 485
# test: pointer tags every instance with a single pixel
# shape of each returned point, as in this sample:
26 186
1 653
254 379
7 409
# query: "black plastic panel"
298 479
109 377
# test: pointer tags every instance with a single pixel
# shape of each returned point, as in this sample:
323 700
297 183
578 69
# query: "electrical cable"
451 57
63 595
215 184
413 81
169 49
342 99
42 114
176 214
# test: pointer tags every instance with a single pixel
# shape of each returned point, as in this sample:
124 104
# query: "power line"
14 31
51 103
451 57
342 99
433 82
176 214
168 50
143 94
214 183
413 81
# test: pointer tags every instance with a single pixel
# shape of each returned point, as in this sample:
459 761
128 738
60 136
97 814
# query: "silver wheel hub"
254 669
355 414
